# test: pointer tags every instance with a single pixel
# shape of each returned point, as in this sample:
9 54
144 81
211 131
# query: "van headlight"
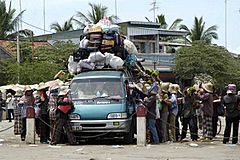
74 116
117 115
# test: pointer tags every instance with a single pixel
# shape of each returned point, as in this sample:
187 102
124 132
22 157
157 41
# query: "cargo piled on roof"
104 47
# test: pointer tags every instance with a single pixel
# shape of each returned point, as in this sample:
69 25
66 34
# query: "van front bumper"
116 125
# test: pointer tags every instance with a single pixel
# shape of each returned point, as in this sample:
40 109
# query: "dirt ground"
11 148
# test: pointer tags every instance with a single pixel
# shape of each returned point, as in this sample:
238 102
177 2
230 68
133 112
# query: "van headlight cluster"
117 115
74 116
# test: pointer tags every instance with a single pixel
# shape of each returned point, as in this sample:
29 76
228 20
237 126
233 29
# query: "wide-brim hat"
64 91
208 87
174 88
231 89
165 86
27 88
19 93
42 86
54 86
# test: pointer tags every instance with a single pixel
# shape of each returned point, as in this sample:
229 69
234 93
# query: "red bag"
65 108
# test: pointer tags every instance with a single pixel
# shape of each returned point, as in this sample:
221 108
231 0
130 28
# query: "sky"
212 11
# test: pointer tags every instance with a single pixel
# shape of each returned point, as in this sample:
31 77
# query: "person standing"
27 100
65 107
44 116
165 103
216 105
17 113
231 102
189 117
207 108
2 104
150 103
10 106
52 107
173 89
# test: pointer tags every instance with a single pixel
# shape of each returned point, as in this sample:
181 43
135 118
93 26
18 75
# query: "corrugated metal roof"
141 23
133 31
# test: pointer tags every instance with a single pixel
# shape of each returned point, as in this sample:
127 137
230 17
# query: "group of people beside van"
52 108
196 108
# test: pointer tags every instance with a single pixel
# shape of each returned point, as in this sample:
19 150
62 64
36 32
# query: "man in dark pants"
231 101
150 103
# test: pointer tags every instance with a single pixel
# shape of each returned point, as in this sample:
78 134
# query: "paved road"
11 148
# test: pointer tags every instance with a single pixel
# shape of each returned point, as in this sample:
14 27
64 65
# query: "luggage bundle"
103 44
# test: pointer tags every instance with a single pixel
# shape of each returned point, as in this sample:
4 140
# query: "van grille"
93 125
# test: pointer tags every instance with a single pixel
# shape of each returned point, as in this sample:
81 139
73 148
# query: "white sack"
130 47
108 57
83 43
96 57
86 64
116 62
72 66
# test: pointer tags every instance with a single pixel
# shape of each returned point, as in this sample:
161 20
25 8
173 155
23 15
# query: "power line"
36 27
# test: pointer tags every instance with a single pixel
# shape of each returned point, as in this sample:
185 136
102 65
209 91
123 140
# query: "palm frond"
175 24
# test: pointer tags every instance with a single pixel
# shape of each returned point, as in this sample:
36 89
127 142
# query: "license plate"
77 128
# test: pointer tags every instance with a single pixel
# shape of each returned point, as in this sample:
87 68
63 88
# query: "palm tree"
8 23
198 31
98 12
67 26
163 24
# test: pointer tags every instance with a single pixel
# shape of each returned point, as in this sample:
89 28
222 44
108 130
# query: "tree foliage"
30 72
97 12
8 22
199 31
67 26
163 24
202 58
48 60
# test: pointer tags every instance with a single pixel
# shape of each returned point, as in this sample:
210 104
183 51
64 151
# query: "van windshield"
96 88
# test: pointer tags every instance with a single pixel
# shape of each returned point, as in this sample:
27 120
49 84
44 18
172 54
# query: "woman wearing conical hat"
164 112
44 116
207 101
27 100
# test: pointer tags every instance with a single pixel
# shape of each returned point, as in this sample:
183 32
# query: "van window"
96 88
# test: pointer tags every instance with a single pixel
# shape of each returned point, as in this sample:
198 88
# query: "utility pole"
18 52
20 7
154 8
226 24
44 14
116 10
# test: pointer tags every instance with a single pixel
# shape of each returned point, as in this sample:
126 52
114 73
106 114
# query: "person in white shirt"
10 106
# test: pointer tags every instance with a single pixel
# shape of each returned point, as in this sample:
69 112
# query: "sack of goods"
103 45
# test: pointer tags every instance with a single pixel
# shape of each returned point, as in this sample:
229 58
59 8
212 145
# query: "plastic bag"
116 62
86 64
72 66
96 57
84 43
130 47
108 57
